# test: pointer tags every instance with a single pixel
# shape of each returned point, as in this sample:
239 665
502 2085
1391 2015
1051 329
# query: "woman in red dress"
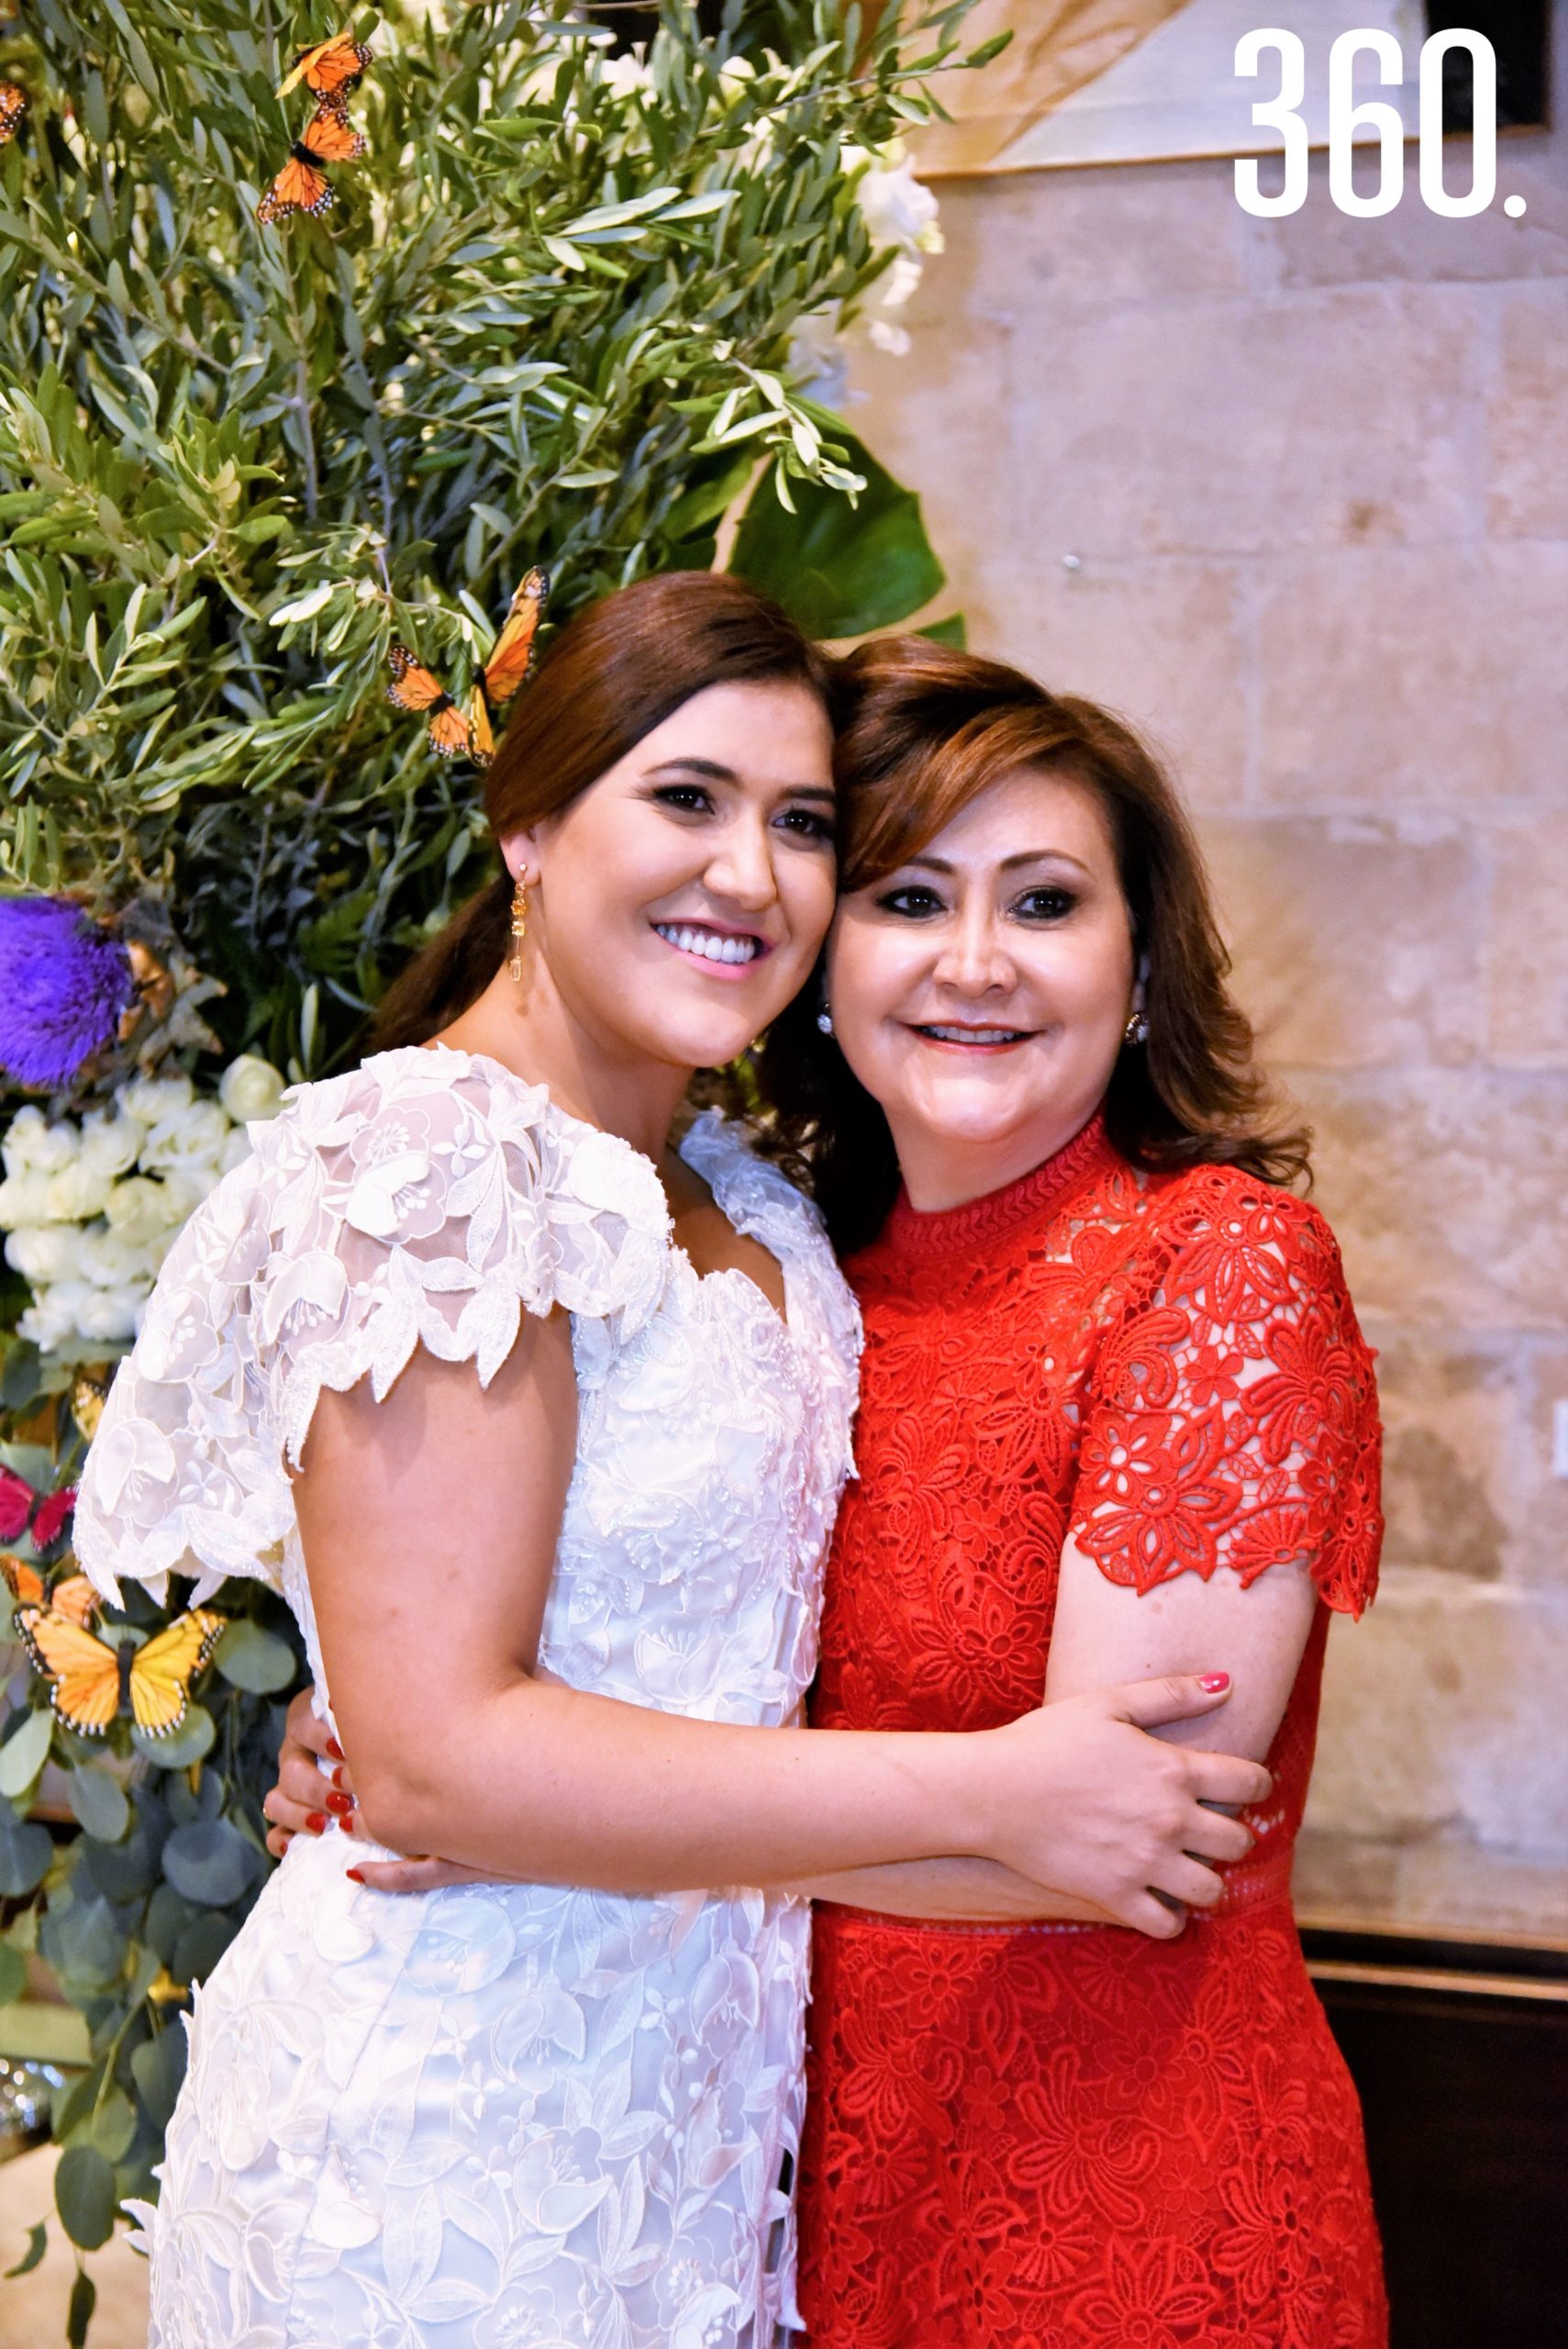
1116 1417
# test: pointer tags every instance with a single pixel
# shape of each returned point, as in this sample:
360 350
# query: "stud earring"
825 1021
1137 1029
519 927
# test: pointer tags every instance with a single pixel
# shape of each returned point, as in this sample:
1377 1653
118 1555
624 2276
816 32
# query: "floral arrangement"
315 339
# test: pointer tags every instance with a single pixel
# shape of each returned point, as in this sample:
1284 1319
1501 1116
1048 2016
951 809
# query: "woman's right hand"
1091 1805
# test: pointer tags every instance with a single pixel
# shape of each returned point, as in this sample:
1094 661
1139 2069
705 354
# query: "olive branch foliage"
548 319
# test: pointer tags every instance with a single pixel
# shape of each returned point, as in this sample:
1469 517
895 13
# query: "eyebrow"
1008 863
715 773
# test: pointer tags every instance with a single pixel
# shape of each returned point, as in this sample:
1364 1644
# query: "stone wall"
1294 495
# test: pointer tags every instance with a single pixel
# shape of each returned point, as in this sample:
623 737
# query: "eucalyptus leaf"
25 1849
99 1801
85 2196
157 2066
192 1742
250 1658
25 1751
209 1861
79 2310
113 2125
12 1974
38 2244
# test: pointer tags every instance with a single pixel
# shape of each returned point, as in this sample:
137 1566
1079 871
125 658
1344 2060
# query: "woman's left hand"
306 1802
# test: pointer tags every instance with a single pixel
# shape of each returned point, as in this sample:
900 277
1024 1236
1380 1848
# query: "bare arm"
429 1523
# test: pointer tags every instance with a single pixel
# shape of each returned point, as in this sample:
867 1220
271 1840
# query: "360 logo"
1350 119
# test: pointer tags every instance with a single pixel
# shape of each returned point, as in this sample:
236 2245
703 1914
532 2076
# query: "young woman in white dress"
540 1425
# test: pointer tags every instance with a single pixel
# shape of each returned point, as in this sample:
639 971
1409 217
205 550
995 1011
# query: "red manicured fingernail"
336 1751
317 1821
336 1777
353 1875
1212 1682
342 1804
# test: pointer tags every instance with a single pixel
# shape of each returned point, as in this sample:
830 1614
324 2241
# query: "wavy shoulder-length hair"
925 729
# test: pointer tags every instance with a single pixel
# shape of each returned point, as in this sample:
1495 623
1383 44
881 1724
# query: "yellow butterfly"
74 1598
91 1679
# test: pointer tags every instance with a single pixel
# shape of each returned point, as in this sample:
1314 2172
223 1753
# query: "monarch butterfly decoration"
451 734
13 107
303 185
74 1597
333 69
92 1680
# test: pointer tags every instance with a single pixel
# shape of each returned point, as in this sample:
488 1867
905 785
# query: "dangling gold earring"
519 927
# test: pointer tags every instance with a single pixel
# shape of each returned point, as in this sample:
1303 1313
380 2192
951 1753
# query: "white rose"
187 1142
251 1088
21 1139
896 208
45 1252
24 1198
77 1192
34 1146
111 1312
109 1145
140 1211
108 1260
150 1099
48 1321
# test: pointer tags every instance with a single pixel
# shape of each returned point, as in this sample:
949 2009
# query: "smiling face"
679 902
980 992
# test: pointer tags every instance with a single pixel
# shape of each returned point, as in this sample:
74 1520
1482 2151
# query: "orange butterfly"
91 1679
13 107
74 1598
301 185
331 69
510 666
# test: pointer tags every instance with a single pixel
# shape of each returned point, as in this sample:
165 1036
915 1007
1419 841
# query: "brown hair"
926 728
617 669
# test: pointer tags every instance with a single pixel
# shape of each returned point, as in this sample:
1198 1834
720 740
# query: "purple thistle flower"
64 982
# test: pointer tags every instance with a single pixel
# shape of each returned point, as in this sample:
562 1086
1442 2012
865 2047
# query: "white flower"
77 1192
24 1198
251 1088
34 1146
49 1320
188 1142
112 1313
109 1145
42 1253
733 76
626 76
154 1098
897 208
139 1210
108 1260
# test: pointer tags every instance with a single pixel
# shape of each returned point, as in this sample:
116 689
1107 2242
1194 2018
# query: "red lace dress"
1064 2134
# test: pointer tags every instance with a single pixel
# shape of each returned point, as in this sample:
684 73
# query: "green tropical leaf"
840 570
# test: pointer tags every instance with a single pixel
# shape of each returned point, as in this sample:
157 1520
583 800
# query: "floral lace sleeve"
425 1199
1234 1416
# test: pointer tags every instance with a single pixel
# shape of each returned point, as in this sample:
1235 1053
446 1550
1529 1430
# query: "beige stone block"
1391 676
1447 1884
1095 240
1356 941
1222 427
1319 245
1165 644
1449 1191
1526 416
1441 1713
1526 959
1460 1461
1542 1547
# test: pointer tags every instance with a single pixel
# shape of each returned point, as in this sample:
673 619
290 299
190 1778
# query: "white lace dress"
502 2115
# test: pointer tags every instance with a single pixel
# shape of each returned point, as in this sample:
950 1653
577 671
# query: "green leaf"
953 630
99 1801
157 2066
210 1861
85 2196
26 1851
201 1945
190 1743
12 1974
78 2315
840 570
25 1753
38 2244
255 1660
113 2125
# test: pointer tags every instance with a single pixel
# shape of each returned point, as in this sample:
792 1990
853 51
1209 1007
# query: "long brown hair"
617 669
925 729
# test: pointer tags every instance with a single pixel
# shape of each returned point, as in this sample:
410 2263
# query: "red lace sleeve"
1233 1418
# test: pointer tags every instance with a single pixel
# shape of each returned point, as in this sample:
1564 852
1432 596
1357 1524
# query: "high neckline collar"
958 1231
